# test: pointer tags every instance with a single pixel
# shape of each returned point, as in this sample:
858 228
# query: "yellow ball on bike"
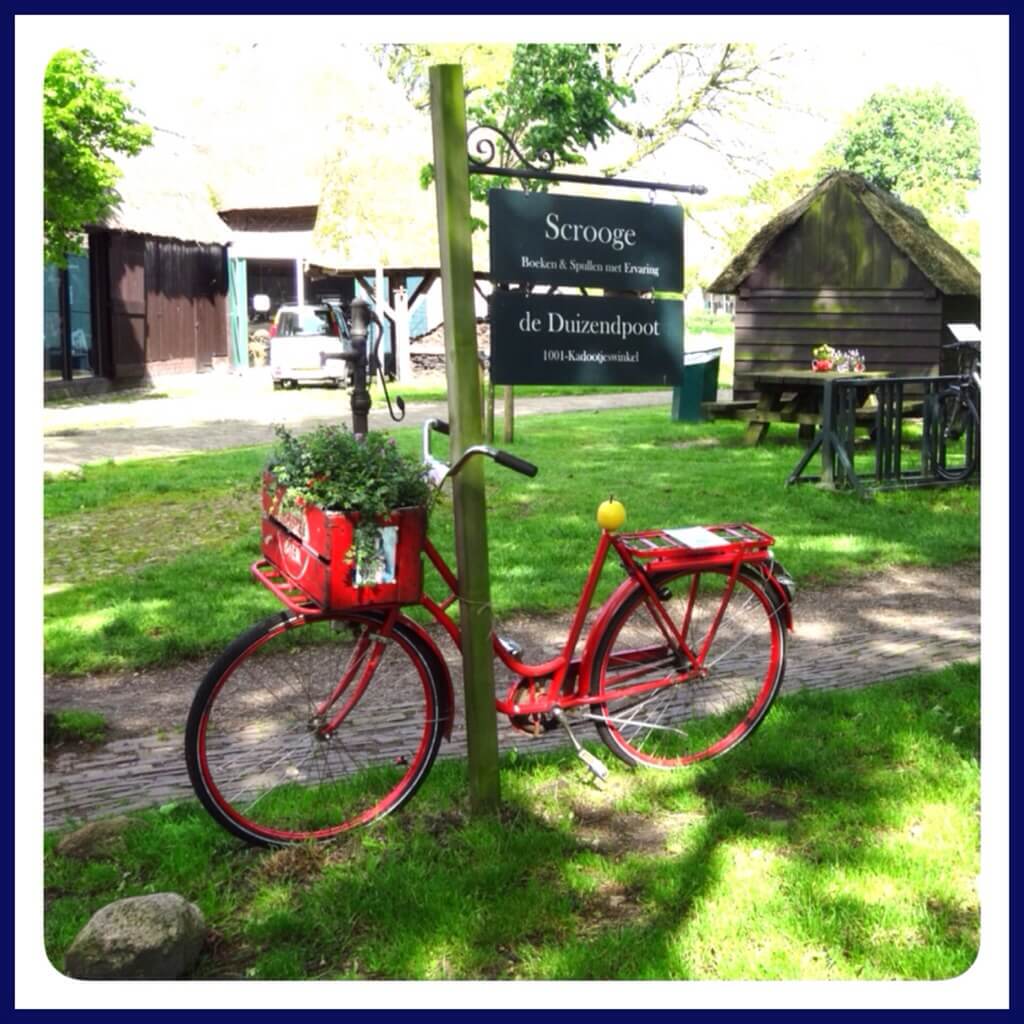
611 514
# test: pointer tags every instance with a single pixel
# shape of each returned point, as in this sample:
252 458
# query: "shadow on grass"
815 850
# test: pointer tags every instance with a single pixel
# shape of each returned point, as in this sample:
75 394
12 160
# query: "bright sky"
843 59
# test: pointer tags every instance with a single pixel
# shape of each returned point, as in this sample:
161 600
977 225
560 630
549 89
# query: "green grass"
74 727
147 562
840 843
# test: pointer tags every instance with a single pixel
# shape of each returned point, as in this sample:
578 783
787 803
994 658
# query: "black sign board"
572 240
565 339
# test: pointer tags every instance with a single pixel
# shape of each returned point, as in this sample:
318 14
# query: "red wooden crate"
313 548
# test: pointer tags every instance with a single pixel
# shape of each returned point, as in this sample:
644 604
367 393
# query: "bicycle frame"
567 677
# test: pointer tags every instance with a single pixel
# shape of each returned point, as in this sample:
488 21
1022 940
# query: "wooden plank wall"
836 278
893 330
128 305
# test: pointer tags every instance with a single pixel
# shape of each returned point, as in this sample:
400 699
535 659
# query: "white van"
307 344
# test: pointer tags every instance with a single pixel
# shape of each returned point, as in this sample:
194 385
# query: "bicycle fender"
775 576
431 653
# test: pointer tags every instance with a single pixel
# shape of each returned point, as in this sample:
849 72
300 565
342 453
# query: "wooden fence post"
462 367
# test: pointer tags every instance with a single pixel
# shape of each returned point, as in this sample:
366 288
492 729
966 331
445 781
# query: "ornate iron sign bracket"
486 151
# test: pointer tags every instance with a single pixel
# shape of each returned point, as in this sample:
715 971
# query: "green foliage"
556 100
74 726
86 119
703 322
920 144
484 65
333 468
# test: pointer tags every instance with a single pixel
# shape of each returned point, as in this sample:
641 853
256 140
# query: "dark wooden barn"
161 304
851 266
157 275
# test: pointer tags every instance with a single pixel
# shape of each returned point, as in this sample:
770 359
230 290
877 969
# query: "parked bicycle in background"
957 410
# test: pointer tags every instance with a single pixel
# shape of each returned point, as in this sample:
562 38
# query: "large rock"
97 839
155 937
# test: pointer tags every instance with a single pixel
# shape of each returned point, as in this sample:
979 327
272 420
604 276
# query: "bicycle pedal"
595 764
511 647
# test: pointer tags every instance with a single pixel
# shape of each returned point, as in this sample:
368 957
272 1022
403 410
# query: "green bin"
700 384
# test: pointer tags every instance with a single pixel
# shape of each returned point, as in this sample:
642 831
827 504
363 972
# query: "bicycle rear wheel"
957 429
693 715
307 727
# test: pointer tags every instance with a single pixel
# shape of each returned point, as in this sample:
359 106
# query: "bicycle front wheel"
307 727
689 715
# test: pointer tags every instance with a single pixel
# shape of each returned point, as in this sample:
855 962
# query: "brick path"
896 623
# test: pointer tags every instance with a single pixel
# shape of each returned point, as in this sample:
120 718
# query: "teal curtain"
238 311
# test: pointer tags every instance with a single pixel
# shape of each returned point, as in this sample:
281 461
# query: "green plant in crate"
341 472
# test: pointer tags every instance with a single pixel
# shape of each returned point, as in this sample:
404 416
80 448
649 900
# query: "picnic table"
805 390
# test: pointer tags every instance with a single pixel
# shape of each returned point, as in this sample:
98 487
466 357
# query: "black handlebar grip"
440 426
511 462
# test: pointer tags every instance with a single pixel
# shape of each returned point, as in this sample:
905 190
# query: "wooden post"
489 430
509 415
448 115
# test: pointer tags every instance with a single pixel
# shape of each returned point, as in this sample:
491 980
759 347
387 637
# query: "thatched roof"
164 193
944 265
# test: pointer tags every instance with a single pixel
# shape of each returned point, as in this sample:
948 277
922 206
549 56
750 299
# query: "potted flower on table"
825 359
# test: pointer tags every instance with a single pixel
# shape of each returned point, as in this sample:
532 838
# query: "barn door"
128 305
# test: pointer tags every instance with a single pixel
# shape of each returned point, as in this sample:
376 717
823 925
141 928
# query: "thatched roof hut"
165 193
849 265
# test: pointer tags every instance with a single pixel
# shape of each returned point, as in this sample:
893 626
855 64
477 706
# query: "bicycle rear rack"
696 543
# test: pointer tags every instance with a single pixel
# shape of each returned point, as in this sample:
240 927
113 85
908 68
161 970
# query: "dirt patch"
700 442
612 905
614 833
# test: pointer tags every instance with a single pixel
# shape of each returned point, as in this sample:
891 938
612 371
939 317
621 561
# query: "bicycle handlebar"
438 470
513 462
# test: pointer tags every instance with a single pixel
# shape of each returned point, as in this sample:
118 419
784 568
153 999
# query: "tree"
920 144
554 102
484 66
637 98
700 93
86 119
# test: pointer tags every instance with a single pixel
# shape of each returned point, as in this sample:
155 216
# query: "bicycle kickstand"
595 764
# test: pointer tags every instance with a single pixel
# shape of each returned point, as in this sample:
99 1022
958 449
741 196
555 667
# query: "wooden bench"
747 411
725 410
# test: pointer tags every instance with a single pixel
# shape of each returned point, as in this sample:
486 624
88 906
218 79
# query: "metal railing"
894 457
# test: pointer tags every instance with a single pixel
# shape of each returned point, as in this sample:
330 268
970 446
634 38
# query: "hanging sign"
573 240
566 339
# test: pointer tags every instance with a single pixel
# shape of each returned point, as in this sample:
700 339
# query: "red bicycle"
314 722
